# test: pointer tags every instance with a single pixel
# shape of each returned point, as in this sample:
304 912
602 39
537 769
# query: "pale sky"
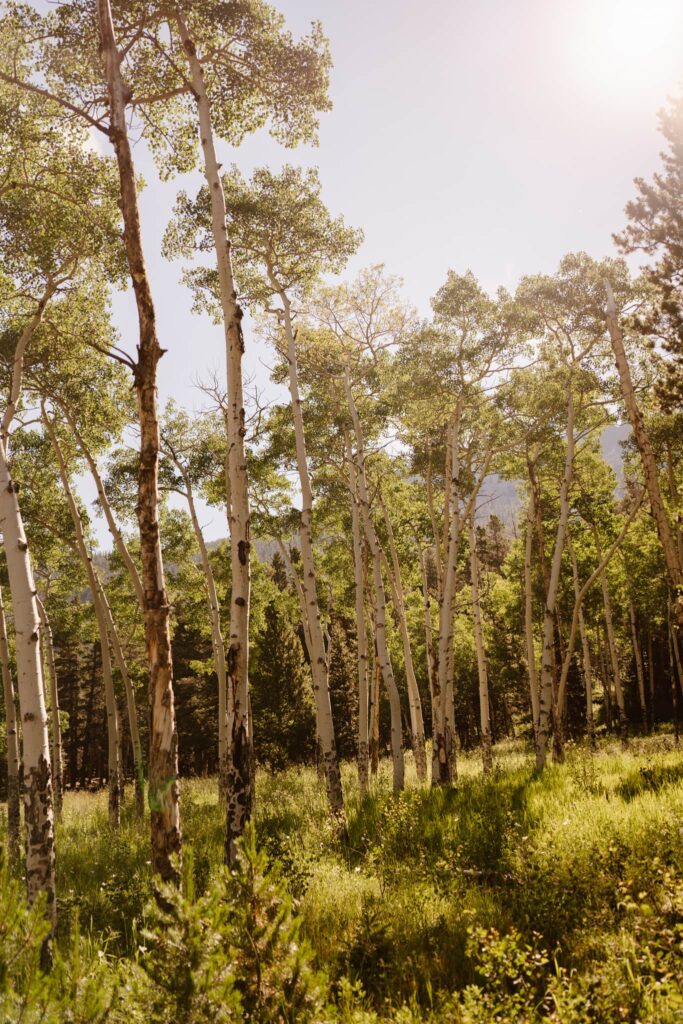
491 135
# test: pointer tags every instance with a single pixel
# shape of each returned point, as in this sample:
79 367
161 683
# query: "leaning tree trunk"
380 606
649 463
131 707
484 709
113 744
638 658
38 807
318 655
429 650
362 654
57 758
546 702
239 775
585 649
417 728
164 799
13 786
612 647
216 634
529 623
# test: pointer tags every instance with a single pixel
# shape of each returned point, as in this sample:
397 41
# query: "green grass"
576 874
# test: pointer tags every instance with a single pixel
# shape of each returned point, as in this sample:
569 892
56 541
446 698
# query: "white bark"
362 654
612 647
38 807
546 687
113 746
57 759
379 595
585 648
318 654
12 732
529 620
638 658
482 670
240 782
417 728
431 661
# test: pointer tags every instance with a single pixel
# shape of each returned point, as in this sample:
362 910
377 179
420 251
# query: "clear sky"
494 135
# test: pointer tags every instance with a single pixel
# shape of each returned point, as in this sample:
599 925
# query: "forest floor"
518 897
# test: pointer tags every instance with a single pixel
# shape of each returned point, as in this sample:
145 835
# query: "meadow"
515 898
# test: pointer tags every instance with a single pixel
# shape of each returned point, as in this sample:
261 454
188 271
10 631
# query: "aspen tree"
585 647
12 732
638 660
484 709
113 744
56 730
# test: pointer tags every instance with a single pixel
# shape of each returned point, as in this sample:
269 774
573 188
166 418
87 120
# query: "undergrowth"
516 898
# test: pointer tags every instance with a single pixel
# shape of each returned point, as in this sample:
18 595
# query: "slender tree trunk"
612 646
451 547
57 758
38 806
318 654
604 675
651 679
417 729
13 787
362 653
374 716
216 633
484 710
131 706
585 648
529 622
164 798
546 701
431 660
113 744
676 673
379 596
239 781
637 657
650 468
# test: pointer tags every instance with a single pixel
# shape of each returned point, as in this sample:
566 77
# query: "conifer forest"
341 572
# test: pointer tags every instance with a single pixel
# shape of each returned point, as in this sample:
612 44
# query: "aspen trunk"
38 805
649 463
585 649
105 505
431 661
216 634
676 673
414 702
444 742
240 788
113 744
379 596
546 701
318 654
606 686
164 796
484 709
13 787
612 647
650 679
362 653
57 758
529 623
637 657
131 706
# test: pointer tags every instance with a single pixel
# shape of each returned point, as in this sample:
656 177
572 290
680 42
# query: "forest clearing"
341 609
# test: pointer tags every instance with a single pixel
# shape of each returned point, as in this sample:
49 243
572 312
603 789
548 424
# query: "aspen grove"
350 687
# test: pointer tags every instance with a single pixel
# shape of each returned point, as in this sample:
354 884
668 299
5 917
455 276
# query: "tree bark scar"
242 551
